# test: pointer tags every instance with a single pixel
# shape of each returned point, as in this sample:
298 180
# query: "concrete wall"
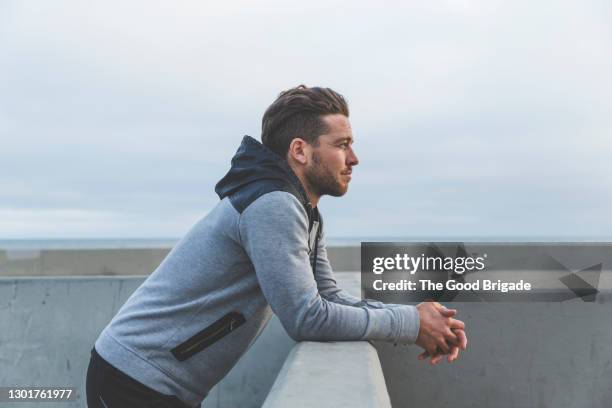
49 325
331 374
556 355
81 262
123 261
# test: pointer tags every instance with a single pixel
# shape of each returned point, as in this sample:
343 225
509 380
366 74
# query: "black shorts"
109 387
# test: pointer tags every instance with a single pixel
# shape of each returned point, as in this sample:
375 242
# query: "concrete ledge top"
331 374
119 261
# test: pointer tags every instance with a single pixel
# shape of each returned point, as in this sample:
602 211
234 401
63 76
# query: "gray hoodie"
252 255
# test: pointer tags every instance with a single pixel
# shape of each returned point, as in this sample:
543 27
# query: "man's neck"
313 198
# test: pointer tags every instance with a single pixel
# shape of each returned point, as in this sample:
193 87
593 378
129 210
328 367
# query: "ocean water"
113 243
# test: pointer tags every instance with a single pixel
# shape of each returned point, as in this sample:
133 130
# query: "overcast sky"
471 118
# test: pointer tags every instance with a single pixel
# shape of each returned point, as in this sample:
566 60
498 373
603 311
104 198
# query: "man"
260 250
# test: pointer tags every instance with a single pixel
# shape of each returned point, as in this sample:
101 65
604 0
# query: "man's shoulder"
259 189
278 219
277 204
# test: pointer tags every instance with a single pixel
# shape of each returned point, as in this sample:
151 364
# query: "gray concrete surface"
49 325
81 262
545 355
122 261
330 375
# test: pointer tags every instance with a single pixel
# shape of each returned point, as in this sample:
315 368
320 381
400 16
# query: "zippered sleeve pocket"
208 336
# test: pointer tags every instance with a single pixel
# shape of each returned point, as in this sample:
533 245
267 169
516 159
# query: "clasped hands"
439 333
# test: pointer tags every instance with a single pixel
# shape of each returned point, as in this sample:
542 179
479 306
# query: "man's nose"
352 159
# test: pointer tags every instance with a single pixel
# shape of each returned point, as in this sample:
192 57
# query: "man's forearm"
343 297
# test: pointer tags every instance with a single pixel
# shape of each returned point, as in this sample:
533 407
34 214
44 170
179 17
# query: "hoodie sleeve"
328 288
274 233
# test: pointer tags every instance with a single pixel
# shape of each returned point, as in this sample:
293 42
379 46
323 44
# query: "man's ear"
298 151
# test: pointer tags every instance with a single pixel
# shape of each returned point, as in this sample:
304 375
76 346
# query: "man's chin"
340 191
337 189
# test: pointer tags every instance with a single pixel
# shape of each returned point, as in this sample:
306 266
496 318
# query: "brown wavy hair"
297 112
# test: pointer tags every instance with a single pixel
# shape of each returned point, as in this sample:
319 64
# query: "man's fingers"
438 356
436 359
451 337
453 354
462 339
442 345
448 312
456 324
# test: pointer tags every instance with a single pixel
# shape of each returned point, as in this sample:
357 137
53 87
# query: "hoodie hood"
262 170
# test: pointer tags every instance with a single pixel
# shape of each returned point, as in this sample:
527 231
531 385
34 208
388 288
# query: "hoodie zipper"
208 336
311 221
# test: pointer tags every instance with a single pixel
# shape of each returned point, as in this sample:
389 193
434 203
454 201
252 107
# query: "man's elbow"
305 335
295 335
307 327
297 330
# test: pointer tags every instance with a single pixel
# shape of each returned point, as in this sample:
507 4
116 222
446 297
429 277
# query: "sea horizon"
169 242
